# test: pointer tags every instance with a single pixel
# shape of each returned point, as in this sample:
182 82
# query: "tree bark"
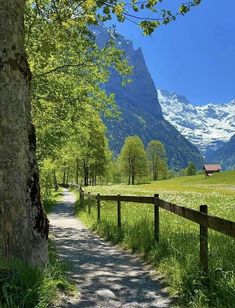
64 178
77 170
86 174
56 187
23 223
67 176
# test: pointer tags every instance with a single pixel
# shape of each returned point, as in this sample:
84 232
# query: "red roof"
214 167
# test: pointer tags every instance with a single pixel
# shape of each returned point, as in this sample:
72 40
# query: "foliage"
95 153
47 177
191 169
157 159
128 10
87 149
67 71
177 255
113 173
171 174
133 159
22 285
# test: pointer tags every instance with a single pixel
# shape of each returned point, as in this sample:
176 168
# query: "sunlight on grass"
22 285
176 256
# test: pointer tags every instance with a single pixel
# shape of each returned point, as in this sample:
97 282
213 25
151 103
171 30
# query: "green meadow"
176 256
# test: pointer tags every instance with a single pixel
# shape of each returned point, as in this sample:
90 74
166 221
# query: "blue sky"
195 55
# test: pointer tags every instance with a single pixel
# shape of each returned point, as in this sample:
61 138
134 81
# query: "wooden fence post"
204 242
119 222
156 218
89 203
98 208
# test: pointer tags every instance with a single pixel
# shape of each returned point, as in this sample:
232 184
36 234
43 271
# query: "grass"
24 286
176 256
50 202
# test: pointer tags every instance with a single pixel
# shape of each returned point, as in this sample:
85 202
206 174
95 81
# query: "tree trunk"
64 178
133 173
86 174
23 223
154 173
77 170
67 176
56 187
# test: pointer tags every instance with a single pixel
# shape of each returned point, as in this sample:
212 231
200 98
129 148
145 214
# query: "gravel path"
106 275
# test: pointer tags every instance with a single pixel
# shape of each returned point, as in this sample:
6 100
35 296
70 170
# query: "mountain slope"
225 155
141 92
208 127
135 122
141 111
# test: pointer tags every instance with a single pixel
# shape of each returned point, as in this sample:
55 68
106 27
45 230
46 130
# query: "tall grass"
176 256
24 286
50 202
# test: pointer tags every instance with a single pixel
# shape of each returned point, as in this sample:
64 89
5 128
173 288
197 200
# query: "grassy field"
177 255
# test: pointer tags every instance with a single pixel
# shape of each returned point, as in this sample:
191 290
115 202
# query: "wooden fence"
201 217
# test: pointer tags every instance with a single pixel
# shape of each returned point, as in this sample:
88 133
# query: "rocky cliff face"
141 111
141 93
225 155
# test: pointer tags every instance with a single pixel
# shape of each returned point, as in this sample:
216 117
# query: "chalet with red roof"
210 169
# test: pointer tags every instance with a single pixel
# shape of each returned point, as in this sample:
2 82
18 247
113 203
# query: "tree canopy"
157 159
131 11
61 76
191 169
133 159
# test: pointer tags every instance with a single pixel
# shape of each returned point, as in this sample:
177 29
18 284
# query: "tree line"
50 64
85 161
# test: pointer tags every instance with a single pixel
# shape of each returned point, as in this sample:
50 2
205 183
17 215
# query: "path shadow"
97 265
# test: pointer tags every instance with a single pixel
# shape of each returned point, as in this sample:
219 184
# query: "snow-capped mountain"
207 127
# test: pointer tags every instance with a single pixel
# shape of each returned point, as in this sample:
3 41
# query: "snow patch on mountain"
207 126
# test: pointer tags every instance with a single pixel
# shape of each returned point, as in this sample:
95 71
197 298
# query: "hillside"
225 154
141 111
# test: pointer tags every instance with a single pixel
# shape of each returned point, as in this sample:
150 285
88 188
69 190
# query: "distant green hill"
222 183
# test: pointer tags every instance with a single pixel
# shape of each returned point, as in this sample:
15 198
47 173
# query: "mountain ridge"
207 126
141 112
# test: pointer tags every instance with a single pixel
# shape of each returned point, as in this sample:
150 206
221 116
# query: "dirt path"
106 275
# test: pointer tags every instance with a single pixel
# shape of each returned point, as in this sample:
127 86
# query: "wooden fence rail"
201 217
